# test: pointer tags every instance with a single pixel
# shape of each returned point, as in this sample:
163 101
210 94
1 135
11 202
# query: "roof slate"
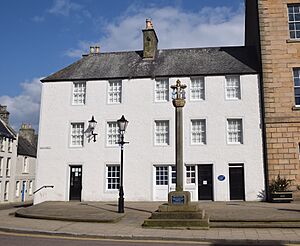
26 148
168 63
6 131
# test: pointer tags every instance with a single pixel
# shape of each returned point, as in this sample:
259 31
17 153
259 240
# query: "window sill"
25 172
296 108
235 143
161 145
293 40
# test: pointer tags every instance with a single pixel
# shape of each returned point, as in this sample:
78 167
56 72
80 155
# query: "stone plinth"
179 212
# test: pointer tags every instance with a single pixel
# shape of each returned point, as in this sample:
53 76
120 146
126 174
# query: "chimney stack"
150 41
94 50
4 114
27 132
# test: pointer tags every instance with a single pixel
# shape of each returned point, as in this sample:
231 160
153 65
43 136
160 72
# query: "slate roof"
168 63
6 131
26 148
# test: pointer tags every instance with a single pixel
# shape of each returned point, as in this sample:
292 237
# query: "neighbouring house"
17 162
223 151
274 28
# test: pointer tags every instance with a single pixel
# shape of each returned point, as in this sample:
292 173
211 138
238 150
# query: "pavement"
230 222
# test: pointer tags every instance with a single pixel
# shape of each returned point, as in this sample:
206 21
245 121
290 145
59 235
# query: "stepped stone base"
179 212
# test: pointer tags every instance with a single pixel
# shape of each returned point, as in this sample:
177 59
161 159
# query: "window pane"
77 131
113 177
161 132
114 91
79 92
162 90
233 90
197 91
113 135
162 175
198 132
234 131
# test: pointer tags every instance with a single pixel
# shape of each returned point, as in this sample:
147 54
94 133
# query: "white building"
222 132
17 163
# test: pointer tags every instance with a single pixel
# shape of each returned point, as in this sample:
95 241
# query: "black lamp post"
122 123
92 125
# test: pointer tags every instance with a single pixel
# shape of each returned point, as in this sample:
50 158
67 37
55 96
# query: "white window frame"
112 134
1 166
8 166
2 144
198 134
114 92
233 87
79 93
293 24
6 191
10 145
161 133
236 131
197 89
112 177
18 188
190 174
30 190
296 78
25 164
162 90
77 134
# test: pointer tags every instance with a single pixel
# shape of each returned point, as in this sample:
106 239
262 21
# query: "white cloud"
64 7
175 28
24 108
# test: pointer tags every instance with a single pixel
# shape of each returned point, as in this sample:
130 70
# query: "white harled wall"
139 108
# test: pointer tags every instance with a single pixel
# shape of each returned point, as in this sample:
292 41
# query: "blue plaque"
221 177
178 200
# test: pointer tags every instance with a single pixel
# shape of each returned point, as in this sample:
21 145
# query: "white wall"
139 108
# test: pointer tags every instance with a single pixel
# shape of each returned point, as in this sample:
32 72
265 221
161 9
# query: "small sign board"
221 177
178 200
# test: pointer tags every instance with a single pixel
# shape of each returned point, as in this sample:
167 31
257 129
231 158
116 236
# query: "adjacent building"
17 162
274 28
223 151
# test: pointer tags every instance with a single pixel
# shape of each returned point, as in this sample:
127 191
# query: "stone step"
254 224
177 215
177 223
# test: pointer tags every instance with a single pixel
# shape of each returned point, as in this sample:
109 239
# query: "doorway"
205 182
236 182
75 182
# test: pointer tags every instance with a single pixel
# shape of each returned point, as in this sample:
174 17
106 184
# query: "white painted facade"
141 155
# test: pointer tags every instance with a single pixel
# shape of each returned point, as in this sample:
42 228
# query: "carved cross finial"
178 90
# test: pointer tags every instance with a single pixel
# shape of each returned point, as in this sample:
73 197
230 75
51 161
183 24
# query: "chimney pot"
149 24
97 49
92 49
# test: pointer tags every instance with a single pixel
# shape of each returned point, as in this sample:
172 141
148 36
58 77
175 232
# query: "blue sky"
41 37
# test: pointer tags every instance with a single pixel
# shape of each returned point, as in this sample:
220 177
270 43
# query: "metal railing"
45 186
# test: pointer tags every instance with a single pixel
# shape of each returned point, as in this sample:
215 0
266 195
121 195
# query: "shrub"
279 184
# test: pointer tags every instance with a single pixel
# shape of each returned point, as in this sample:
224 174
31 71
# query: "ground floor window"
6 189
190 174
30 187
113 177
17 188
162 175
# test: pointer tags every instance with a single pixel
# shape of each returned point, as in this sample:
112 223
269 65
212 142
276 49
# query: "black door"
236 183
205 182
75 182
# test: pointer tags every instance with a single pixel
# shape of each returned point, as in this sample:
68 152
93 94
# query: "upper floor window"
198 132
197 90
115 91
161 90
2 144
161 132
234 131
10 145
79 93
233 88
294 20
296 72
112 177
25 165
8 167
77 131
113 136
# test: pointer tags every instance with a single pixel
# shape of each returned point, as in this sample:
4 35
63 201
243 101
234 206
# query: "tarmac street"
233 222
